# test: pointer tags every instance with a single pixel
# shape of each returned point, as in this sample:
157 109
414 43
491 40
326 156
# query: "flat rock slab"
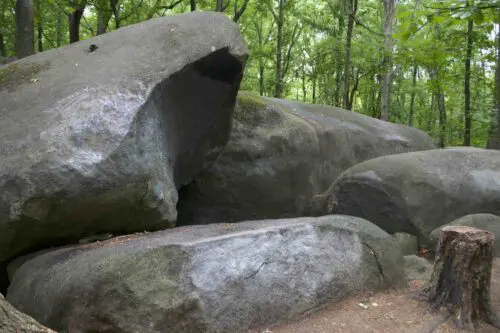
100 141
420 191
282 155
214 278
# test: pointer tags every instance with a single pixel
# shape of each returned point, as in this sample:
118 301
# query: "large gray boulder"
100 141
281 154
13 321
488 222
214 278
420 191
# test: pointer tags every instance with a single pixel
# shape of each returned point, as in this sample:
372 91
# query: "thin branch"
88 26
272 10
239 13
48 39
366 27
132 11
292 43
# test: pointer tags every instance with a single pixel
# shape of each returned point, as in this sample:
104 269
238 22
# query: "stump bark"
461 277
14 321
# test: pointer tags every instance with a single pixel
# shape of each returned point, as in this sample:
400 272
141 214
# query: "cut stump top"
469 234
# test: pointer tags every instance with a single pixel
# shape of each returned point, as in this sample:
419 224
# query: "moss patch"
15 74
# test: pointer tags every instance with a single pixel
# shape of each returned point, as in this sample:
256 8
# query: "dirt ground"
386 312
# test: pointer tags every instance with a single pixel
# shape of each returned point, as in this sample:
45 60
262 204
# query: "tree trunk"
494 140
314 90
59 30
442 119
3 53
13 321
104 14
115 8
74 19
304 90
353 7
278 89
219 6
462 275
193 5
389 10
468 56
412 97
39 25
25 36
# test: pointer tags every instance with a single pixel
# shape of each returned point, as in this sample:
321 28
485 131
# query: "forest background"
434 65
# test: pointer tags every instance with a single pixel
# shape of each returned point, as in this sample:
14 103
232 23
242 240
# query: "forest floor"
393 311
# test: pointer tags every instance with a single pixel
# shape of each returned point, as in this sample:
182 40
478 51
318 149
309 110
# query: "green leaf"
478 17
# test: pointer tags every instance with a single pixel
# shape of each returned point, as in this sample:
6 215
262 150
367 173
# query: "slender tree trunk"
278 90
261 77
497 80
494 139
468 56
25 36
238 12
59 30
353 7
314 90
412 97
115 8
389 10
3 53
193 5
304 91
39 25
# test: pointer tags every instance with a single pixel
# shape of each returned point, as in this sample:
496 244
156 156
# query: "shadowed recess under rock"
106 153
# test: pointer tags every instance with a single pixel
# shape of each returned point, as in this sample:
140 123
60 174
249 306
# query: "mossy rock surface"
283 155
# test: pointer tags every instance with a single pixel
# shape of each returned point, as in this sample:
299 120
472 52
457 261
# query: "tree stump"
461 277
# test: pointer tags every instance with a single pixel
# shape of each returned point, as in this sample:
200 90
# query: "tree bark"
494 140
39 25
353 8
59 30
412 96
25 36
461 277
279 18
13 321
468 56
219 6
104 14
3 53
314 89
74 19
389 11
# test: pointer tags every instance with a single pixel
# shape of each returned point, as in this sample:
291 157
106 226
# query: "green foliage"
430 36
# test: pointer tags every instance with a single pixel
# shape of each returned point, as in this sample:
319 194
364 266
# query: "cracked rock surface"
100 142
213 278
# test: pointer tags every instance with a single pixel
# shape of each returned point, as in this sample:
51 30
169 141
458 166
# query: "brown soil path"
387 312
